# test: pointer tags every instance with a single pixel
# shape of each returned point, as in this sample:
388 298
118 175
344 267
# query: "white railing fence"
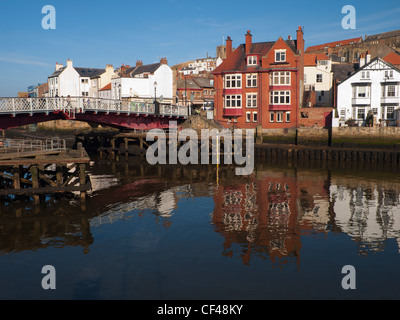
74 105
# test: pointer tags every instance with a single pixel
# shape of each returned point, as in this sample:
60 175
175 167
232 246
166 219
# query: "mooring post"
82 180
17 177
35 182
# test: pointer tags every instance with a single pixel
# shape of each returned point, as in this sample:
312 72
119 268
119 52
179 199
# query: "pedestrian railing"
76 105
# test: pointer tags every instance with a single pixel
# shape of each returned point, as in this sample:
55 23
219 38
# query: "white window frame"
272 117
365 75
276 97
281 78
248 116
233 101
252 99
321 78
255 116
287 117
252 61
388 74
279 116
233 81
280 55
392 108
251 80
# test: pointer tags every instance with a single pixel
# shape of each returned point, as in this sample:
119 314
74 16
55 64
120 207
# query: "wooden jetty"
39 167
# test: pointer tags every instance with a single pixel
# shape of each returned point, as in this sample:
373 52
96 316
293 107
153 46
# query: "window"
280 55
391 91
233 81
279 97
252 60
248 116
85 80
251 100
251 80
279 117
279 78
321 96
361 113
375 110
365 75
287 117
319 77
389 74
361 92
389 112
305 78
271 117
233 101
255 117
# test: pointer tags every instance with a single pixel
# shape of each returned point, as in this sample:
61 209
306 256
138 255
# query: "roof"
310 59
107 87
89 73
334 44
149 68
392 58
194 83
237 59
57 73
342 71
383 35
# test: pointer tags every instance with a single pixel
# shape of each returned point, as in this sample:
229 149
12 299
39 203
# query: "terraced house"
260 83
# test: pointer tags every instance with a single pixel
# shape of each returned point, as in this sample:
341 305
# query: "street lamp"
155 90
156 105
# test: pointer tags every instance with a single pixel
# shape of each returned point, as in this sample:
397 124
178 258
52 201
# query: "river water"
190 232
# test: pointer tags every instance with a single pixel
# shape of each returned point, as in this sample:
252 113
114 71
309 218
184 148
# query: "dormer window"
280 55
252 60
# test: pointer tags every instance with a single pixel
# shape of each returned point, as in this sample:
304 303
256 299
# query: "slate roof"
83 72
342 71
195 83
149 68
57 73
88 72
237 60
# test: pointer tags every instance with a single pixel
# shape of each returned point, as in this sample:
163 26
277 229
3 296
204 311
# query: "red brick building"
260 83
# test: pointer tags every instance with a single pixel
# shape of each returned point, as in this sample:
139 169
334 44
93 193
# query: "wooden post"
82 180
59 175
17 177
35 182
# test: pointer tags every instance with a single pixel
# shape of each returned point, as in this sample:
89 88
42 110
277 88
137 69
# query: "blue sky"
96 33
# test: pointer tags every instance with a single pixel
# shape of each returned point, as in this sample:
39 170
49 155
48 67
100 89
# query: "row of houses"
275 84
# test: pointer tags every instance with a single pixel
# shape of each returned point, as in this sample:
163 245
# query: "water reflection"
263 216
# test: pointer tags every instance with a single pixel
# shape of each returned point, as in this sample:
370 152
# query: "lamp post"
156 105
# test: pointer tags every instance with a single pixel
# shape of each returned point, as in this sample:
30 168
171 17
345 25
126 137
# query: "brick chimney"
300 40
139 63
248 42
164 60
228 47
69 63
109 67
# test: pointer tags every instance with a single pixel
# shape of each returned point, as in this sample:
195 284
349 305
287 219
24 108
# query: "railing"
32 145
75 105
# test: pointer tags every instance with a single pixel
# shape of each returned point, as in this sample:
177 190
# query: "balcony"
388 100
233 112
361 101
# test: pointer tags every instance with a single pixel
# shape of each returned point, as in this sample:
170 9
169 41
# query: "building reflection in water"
263 216
270 213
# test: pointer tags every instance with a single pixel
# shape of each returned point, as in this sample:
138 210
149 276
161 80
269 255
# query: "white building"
318 77
372 89
201 66
105 92
76 82
144 82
